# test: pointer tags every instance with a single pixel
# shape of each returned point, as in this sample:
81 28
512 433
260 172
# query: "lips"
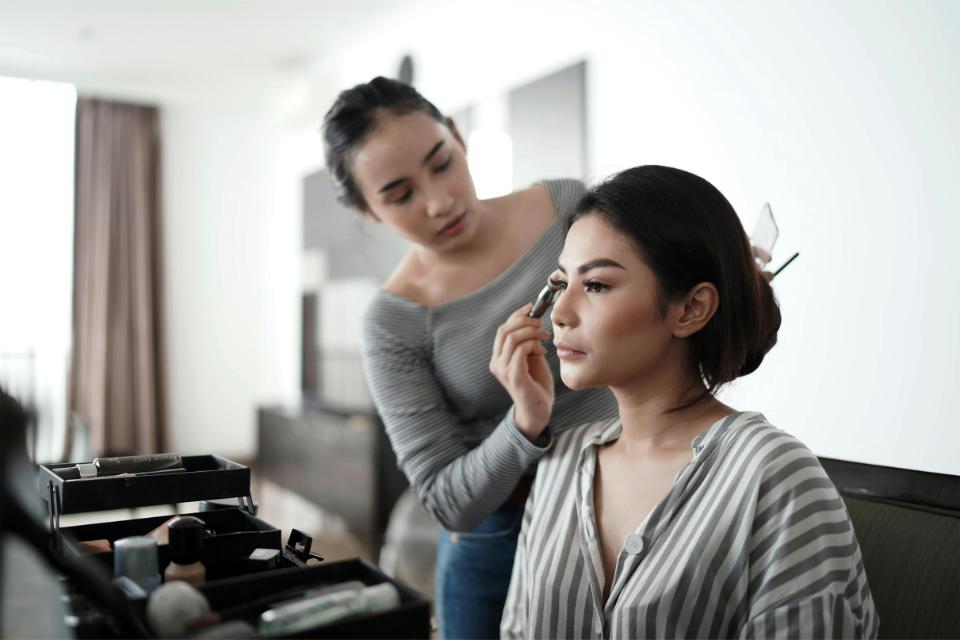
454 227
567 352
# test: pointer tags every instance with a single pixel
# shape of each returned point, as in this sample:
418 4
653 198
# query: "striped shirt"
448 418
752 540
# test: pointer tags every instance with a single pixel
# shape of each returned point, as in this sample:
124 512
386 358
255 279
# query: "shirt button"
634 544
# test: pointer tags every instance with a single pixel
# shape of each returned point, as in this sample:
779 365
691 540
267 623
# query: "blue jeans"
473 574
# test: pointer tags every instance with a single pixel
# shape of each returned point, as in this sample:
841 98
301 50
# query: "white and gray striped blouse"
753 540
449 420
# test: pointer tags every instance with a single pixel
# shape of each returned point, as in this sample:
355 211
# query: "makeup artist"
467 431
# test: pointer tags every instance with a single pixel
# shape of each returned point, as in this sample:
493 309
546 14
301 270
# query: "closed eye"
403 198
446 165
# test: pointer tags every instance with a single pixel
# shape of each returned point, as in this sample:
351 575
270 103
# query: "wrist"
531 428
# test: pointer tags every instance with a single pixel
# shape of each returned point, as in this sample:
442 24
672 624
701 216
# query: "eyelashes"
591 286
408 193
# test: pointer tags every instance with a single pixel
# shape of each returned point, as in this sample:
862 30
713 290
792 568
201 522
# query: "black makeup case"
232 532
235 589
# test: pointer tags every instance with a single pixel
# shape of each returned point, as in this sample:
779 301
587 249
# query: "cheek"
627 323
461 178
409 226
625 342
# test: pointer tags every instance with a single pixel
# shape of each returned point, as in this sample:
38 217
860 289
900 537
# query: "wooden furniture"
341 462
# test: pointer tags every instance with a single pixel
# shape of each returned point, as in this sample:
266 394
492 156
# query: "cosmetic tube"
320 610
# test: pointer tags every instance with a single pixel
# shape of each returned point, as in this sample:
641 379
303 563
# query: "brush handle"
137 464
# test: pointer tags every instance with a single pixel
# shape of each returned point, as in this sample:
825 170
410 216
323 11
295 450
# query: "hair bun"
768 325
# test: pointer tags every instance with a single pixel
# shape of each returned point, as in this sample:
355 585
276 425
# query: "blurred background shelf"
342 463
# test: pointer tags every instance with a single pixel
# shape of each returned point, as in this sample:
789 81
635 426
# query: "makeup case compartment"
235 531
235 534
246 597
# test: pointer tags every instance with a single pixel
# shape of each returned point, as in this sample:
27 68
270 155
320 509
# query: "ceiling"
164 48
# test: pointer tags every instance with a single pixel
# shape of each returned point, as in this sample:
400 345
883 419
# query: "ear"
456 132
698 306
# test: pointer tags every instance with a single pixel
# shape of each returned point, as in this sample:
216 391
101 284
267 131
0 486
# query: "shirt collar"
721 426
603 432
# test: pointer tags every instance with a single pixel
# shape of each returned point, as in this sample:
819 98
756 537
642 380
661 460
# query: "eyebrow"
433 152
426 159
594 264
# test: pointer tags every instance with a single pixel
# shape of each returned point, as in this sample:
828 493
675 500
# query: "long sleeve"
825 615
460 485
806 572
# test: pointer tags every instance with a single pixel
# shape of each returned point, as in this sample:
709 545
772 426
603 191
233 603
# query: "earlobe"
699 305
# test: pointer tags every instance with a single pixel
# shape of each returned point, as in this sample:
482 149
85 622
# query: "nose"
563 314
439 203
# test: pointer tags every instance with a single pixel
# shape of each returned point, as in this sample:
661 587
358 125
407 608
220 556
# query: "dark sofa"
908 526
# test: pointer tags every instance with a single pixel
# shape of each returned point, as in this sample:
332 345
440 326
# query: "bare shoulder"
535 197
406 279
532 204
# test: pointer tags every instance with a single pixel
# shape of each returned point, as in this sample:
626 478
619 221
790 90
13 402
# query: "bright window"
36 250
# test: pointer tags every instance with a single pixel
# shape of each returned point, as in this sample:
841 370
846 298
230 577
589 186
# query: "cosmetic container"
136 558
186 551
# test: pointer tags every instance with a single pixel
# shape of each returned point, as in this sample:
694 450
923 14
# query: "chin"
577 380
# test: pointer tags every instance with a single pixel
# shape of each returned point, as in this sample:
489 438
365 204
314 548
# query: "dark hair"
688 233
353 116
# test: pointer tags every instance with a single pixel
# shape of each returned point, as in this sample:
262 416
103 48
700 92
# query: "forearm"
472 485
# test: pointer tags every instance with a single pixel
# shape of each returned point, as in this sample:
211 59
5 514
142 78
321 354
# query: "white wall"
843 115
231 247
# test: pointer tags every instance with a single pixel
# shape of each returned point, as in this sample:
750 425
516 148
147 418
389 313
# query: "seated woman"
683 517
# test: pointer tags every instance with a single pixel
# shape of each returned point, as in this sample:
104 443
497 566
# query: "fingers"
519 327
761 254
516 339
525 341
503 329
521 336
518 366
539 369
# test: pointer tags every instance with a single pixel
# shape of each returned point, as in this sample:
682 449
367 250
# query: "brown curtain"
116 368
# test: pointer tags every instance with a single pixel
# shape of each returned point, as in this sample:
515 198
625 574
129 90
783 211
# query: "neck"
647 422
